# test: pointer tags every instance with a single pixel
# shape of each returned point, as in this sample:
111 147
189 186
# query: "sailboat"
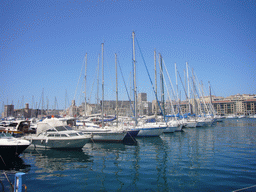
102 133
145 129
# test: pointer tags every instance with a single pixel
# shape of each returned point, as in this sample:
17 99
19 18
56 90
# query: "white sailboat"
145 129
103 133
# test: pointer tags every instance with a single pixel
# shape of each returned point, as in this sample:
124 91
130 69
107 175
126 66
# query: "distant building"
8 111
238 104
142 97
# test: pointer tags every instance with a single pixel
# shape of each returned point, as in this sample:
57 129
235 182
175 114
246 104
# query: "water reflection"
51 160
199 159
14 164
245 122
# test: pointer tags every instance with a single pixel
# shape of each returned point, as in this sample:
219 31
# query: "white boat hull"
55 143
108 136
191 124
170 129
150 132
173 126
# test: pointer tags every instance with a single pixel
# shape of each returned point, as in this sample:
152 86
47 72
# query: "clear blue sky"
43 44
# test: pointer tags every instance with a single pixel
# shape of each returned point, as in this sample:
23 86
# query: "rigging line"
195 89
183 85
78 82
201 92
168 91
126 87
149 77
173 92
167 87
90 95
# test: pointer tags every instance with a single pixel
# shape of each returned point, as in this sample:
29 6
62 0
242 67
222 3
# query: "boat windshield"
68 128
12 124
63 128
5 135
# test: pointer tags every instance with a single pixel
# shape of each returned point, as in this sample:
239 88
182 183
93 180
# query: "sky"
43 45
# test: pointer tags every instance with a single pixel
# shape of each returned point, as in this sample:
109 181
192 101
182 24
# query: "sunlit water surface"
218 158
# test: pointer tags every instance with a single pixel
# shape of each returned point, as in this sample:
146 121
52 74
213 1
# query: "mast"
162 84
210 92
85 105
177 86
102 102
194 93
189 106
97 97
116 92
156 109
42 101
134 79
47 100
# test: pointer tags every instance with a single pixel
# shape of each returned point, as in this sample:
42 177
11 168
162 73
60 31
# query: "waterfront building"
8 110
244 104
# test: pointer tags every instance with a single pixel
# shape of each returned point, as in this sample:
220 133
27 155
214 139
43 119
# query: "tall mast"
116 91
177 86
97 97
162 83
47 100
156 109
189 106
42 102
85 105
210 92
102 102
134 79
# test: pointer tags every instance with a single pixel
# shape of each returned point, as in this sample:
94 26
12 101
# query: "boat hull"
131 134
170 129
150 132
7 151
69 143
191 124
108 136
179 128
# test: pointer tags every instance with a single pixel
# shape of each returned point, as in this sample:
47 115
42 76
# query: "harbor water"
217 158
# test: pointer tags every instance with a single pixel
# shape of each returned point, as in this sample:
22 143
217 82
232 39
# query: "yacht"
11 147
99 133
52 133
17 128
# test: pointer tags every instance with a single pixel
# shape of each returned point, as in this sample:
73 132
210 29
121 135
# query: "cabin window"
68 128
80 133
71 122
13 124
60 128
62 135
73 134
50 130
51 135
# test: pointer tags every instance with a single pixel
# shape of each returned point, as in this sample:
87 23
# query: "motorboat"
17 128
10 146
52 133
